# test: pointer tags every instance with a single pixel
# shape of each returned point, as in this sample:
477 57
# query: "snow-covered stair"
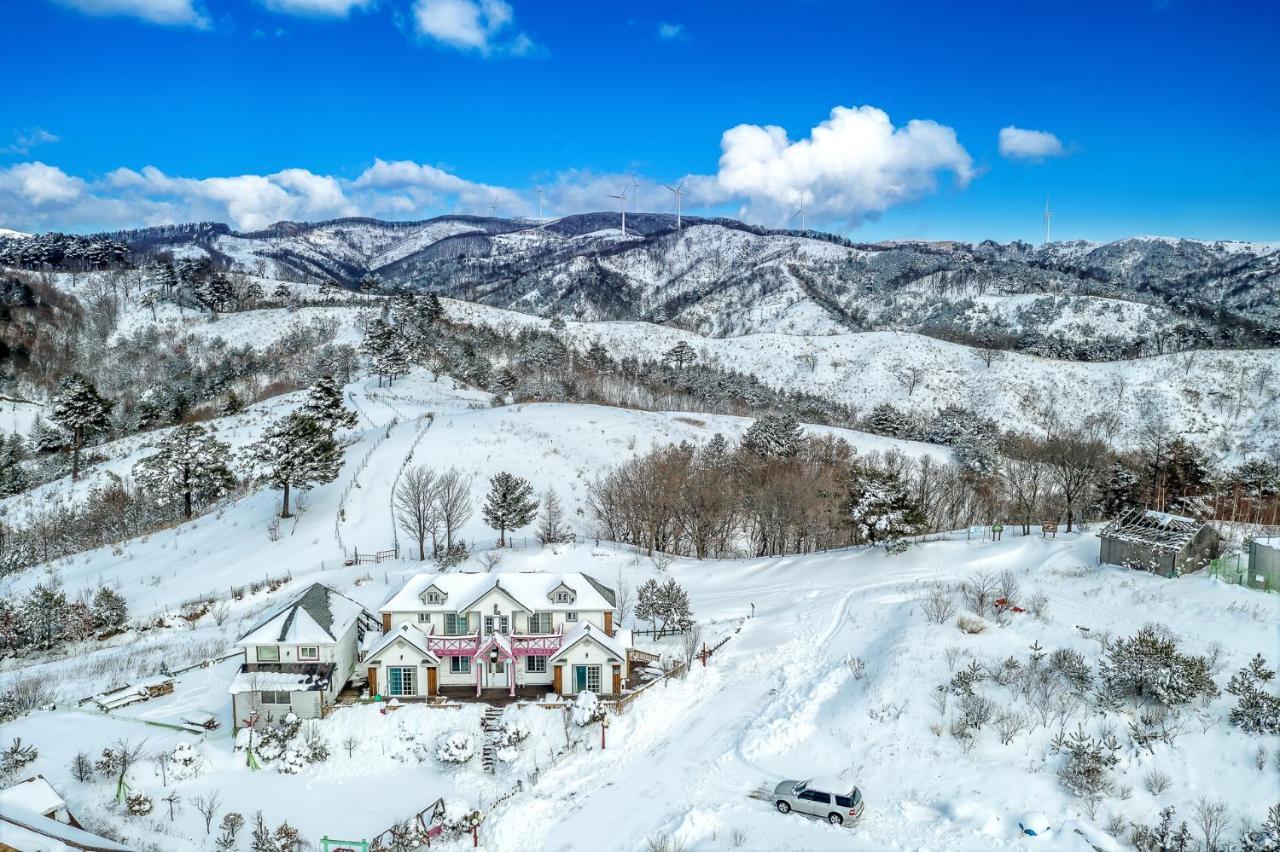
489 724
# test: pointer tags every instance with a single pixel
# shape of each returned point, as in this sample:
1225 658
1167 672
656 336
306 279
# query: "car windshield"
802 786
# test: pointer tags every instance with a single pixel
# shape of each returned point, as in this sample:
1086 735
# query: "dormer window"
433 597
562 594
562 597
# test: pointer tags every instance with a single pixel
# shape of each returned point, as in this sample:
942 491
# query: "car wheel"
783 808
835 819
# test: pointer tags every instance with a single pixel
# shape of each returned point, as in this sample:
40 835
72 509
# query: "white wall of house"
588 652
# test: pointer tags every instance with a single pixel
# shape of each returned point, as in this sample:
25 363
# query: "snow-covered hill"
830 666
718 277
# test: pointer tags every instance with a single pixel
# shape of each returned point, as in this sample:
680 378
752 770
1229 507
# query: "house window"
273 696
402 680
562 597
535 665
460 665
433 597
268 654
424 618
309 652
501 623
570 616
540 622
586 677
455 624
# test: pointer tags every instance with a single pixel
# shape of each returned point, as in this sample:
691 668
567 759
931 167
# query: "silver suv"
836 801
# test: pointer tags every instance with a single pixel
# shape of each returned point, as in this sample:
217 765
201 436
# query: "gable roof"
1157 530
35 794
317 615
410 633
586 631
530 589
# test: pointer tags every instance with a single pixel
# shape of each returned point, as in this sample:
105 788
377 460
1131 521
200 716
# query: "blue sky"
1149 117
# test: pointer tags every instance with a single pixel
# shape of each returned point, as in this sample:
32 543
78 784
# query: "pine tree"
325 404
262 841
774 436
13 479
82 411
379 338
110 611
598 357
78 622
11 635
885 419
880 508
680 356
296 452
1266 837
430 311
510 504
43 612
665 606
551 528
188 466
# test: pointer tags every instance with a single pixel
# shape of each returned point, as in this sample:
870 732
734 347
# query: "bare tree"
416 507
909 376
622 597
208 805
691 643
453 495
1210 816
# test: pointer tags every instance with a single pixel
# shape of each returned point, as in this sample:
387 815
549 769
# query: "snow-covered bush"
507 739
1149 666
937 605
1163 836
1087 772
185 762
587 709
138 803
1266 837
1257 711
271 742
16 756
971 624
456 748
301 751
458 823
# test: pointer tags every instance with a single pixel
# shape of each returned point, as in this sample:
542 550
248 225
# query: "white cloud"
484 26
25 140
320 8
177 12
671 32
39 184
854 165
1029 145
41 197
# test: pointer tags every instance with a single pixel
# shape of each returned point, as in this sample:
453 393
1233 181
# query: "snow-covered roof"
1158 530
315 679
31 831
409 633
530 589
34 794
586 630
317 616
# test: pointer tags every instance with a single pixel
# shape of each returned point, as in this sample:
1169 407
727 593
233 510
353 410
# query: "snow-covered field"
784 698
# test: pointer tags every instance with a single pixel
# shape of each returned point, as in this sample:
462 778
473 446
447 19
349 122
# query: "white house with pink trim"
502 631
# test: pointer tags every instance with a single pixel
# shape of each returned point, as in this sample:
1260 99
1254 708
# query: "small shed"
1264 563
1164 544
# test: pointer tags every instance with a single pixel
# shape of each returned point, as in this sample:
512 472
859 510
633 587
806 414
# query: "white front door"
496 674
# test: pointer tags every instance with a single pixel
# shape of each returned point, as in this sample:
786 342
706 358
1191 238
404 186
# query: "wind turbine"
799 213
635 195
494 209
622 202
539 203
676 190
1048 214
